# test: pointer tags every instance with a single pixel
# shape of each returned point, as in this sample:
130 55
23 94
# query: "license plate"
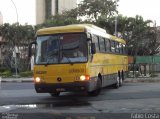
60 89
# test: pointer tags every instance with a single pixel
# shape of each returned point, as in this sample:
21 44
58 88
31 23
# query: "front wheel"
98 89
117 84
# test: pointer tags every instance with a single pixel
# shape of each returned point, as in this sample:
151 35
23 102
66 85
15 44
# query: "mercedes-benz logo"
59 79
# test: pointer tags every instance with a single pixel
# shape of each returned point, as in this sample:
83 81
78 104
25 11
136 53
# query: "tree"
92 9
140 37
58 20
17 37
137 34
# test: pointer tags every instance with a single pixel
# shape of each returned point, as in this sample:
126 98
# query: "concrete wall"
40 11
53 7
1 18
65 5
62 6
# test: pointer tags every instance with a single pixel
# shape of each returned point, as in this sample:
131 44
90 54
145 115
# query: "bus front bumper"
62 87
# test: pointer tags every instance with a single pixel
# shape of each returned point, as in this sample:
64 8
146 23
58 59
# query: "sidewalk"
16 79
147 78
143 79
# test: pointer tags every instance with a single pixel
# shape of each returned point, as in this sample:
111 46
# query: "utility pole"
17 37
15 9
116 20
116 26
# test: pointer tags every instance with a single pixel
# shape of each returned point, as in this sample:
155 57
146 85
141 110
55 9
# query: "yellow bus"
78 58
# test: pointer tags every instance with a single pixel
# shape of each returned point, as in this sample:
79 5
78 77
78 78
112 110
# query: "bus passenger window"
117 47
95 40
112 46
102 44
120 48
108 46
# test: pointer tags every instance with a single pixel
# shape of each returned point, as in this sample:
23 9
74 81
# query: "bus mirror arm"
93 48
30 49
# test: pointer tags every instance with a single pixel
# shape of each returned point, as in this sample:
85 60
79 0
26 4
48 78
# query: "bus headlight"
83 77
37 79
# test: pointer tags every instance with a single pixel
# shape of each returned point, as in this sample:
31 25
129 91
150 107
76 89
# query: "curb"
16 80
142 80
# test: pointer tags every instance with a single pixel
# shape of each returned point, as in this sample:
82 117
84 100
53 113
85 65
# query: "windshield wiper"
50 57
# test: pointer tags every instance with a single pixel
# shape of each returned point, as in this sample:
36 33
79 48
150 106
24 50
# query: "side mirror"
93 48
30 49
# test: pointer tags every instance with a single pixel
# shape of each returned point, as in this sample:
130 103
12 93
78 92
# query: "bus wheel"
121 80
98 89
122 75
116 85
56 94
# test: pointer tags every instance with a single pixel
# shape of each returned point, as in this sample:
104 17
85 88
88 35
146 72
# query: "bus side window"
117 47
108 45
113 46
102 44
120 48
96 41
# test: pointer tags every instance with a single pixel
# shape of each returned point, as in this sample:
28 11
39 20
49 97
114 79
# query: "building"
1 42
46 8
1 19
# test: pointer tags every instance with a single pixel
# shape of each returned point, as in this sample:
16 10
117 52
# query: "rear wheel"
121 79
98 89
117 84
122 75
56 94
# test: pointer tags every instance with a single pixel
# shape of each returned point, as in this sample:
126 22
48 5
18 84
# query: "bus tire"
56 94
120 80
122 76
116 85
98 88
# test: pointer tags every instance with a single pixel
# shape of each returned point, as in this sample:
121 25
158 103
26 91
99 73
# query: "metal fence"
144 66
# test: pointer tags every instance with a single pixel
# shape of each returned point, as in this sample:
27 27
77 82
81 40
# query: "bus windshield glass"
61 48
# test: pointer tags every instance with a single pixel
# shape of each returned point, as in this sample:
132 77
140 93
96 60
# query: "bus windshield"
61 48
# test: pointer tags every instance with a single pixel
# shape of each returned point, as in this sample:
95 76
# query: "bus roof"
118 39
62 29
75 28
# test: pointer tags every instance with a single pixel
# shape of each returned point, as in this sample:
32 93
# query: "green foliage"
141 38
60 20
16 34
4 72
95 8
26 74
19 36
3 69
87 11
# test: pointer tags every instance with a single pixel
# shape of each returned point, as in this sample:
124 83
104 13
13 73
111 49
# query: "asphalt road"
21 101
